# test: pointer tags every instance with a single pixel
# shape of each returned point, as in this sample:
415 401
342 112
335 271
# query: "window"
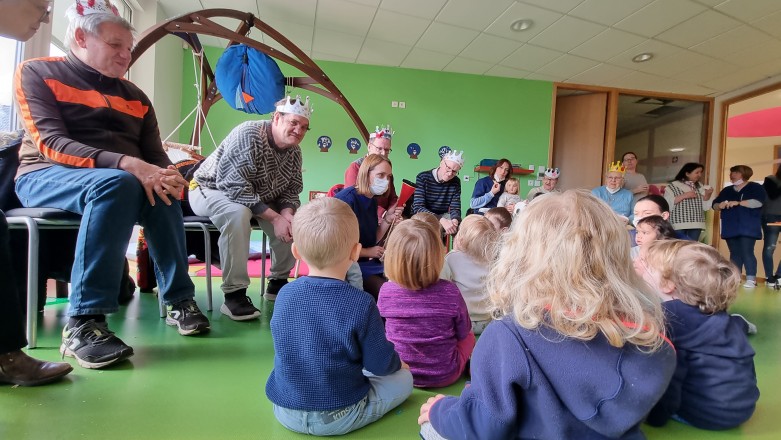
8 62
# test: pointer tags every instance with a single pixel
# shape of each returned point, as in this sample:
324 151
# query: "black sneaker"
239 307
93 345
187 318
273 287
772 282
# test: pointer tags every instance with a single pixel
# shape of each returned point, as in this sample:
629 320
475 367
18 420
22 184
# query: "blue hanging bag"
249 80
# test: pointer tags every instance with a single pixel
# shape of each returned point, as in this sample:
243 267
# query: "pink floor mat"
253 267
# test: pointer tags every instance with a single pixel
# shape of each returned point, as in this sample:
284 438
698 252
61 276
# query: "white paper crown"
454 156
382 132
552 173
83 8
295 107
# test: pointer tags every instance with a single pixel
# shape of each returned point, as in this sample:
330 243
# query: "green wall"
488 117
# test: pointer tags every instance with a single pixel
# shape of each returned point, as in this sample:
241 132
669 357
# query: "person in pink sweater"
426 318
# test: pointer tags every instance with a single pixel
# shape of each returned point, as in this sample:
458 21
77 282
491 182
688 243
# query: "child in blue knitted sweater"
334 369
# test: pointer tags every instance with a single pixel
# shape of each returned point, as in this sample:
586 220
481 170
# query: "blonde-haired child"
425 317
334 370
467 266
510 195
579 350
500 218
714 385
428 218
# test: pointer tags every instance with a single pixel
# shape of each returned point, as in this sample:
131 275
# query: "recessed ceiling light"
677 150
645 56
521 25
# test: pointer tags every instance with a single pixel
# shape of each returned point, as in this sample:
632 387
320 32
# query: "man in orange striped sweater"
92 147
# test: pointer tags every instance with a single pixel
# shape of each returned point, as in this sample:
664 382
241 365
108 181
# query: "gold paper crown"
616 167
296 106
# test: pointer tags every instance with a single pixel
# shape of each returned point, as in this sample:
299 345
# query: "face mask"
379 186
613 191
738 182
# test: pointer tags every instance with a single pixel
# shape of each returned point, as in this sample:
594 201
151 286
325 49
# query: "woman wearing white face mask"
741 219
372 182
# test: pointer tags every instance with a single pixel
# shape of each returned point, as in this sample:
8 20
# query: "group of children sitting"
575 342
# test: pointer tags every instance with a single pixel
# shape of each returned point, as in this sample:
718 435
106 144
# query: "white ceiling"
700 47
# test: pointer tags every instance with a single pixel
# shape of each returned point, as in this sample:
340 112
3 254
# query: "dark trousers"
770 233
12 336
741 252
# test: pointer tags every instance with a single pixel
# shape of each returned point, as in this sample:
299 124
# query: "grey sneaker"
751 329
187 318
93 345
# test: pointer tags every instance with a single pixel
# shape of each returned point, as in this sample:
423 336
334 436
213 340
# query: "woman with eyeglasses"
489 188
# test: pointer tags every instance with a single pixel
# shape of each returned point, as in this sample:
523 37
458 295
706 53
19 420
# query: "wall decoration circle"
353 144
324 142
413 150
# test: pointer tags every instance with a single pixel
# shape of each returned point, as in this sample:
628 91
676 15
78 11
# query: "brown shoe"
19 369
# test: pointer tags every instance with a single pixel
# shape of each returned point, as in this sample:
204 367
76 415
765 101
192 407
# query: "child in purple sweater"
426 318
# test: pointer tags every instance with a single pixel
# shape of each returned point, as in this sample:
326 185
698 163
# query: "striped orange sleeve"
31 126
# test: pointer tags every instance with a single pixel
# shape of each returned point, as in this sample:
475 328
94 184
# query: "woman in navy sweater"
373 181
490 188
741 219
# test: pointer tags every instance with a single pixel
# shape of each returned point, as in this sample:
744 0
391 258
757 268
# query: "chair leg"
263 269
33 241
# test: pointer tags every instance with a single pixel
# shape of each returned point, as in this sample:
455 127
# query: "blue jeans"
111 202
770 234
741 252
691 234
386 393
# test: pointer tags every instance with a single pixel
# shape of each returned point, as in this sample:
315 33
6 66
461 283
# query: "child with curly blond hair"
578 350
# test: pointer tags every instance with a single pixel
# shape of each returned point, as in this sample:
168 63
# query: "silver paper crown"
552 173
88 7
382 132
295 107
454 156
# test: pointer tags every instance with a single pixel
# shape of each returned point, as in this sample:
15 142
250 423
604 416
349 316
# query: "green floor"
212 387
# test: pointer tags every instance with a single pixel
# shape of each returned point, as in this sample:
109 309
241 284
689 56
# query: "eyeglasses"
450 170
384 150
614 178
46 13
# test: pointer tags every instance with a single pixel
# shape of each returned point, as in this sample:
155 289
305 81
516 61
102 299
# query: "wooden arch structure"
188 26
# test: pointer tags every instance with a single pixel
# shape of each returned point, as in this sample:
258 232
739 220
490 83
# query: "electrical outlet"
402 104
394 104
466 178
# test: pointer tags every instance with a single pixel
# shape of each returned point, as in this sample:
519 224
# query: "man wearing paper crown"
379 143
614 194
255 174
550 178
93 148
438 191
